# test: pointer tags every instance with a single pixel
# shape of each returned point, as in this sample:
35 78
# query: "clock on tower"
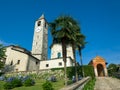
40 39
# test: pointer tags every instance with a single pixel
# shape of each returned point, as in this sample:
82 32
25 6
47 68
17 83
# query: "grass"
90 85
38 86
1 85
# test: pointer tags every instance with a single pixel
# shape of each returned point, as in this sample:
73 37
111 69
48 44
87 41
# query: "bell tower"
40 39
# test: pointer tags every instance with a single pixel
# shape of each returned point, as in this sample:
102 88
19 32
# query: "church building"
20 59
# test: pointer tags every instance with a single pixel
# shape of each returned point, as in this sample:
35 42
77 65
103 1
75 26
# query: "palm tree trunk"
64 53
74 56
80 54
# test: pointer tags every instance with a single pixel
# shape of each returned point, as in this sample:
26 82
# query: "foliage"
112 68
38 85
8 86
89 71
2 51
69 82
52 78
16 82
47 86
12 82
70 72
90 85
2 55
63 30
2 78
29 82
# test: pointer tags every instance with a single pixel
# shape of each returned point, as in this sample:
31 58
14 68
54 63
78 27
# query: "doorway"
100 70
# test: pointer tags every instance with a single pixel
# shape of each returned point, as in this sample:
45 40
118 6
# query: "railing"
78 85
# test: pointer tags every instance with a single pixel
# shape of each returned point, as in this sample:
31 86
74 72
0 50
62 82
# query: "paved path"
107 83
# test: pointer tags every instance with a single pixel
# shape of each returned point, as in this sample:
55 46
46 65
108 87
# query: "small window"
11 63
45 25
47 65
36 63
18 62
59 55
39 23
16 70
60 63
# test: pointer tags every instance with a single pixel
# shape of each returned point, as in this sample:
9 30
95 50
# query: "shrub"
89 71
69 82
8 86
12 83
28 82
52 78
24 78
16 82
47 86
2 78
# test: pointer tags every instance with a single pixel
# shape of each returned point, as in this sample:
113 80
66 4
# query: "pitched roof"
97 59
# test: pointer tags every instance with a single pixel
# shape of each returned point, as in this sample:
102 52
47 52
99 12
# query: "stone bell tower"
40 39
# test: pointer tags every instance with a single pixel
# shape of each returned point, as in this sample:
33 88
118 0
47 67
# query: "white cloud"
5 43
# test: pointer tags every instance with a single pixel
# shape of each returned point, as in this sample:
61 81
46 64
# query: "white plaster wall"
14 56
32 64
55 63
56 48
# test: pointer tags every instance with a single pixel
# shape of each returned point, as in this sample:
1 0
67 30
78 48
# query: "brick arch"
99 65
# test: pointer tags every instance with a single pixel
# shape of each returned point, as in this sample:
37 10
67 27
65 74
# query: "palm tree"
80 42
64 29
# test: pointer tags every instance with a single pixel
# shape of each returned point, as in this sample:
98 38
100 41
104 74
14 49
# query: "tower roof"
42 16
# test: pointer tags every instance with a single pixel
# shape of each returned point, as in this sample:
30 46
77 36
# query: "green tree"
80 43
112 68
63 30
2 55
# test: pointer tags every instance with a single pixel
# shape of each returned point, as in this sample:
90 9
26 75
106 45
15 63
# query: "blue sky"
99 21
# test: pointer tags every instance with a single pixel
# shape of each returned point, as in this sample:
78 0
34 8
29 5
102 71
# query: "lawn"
38 86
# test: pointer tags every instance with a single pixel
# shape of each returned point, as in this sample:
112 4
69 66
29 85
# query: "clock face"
38 29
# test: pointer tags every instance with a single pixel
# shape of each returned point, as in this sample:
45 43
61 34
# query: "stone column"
95 70
105 70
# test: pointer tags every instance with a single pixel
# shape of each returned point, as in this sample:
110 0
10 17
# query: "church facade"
20 59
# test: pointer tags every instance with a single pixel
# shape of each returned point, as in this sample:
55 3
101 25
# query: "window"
16 70
11 63
36 63
59 55
39 23
47 65
60 63
45 25
18 62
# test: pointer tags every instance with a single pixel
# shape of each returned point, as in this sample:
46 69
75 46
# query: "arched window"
11 63
58 54
39 23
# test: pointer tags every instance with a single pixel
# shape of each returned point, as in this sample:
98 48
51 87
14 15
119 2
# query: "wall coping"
76 85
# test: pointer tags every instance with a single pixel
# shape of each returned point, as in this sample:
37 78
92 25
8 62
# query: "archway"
100 70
